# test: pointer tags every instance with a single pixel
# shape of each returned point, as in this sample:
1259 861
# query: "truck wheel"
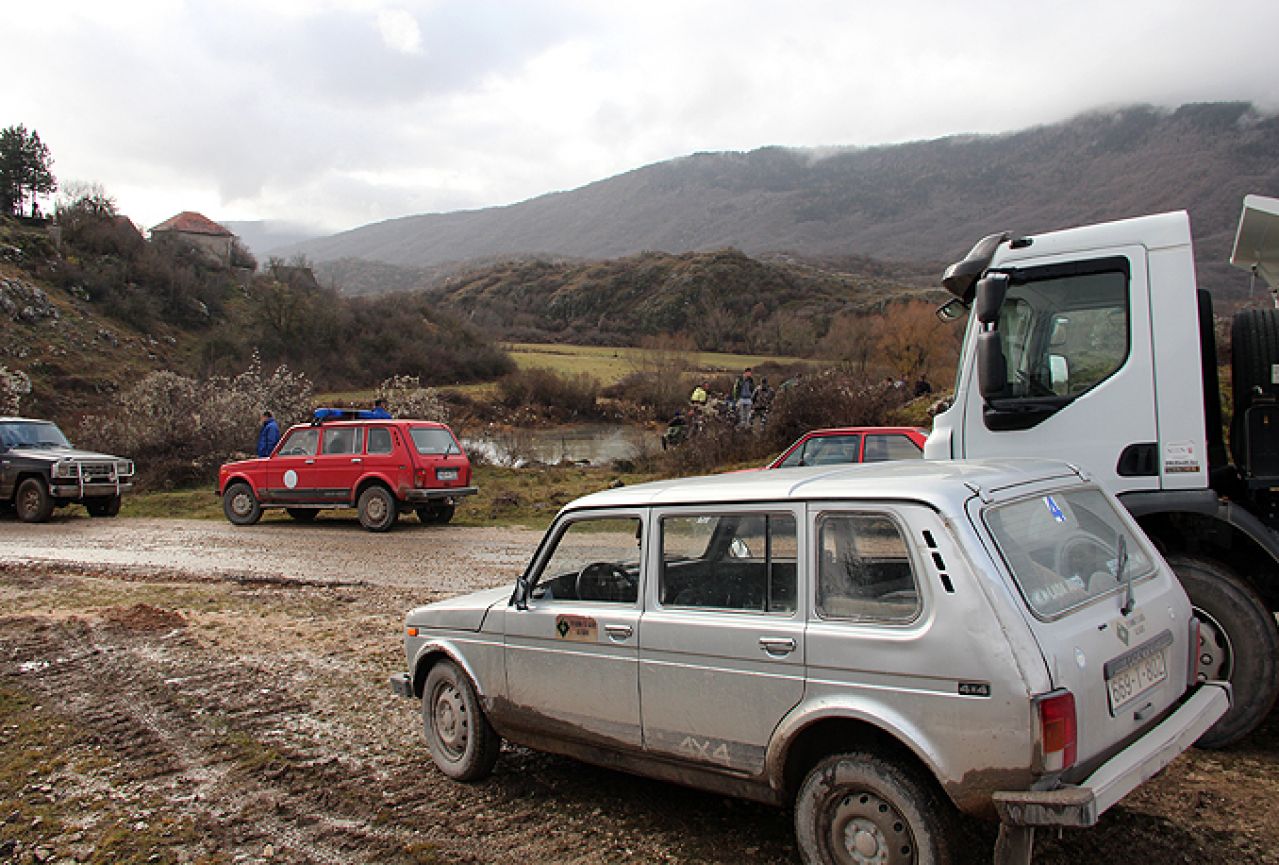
33 502
377 509
240 505
103 507
859 807
1238 642
463 744
435 514
303 515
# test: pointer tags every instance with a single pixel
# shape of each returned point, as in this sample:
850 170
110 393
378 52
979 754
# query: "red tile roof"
190 222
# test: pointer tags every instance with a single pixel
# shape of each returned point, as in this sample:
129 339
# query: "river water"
585 444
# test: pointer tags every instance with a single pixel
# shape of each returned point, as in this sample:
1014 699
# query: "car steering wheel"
1074 545
603 581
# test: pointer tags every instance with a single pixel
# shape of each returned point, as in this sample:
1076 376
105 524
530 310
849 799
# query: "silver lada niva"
885 648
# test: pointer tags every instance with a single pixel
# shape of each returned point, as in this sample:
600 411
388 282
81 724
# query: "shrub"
547 392
830 398
405 397
179 430
14 385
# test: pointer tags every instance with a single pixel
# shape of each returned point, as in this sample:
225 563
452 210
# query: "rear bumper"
418 494
1083 804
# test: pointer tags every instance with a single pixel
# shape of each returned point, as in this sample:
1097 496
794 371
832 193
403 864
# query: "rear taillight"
1192 668
421 477
1058 732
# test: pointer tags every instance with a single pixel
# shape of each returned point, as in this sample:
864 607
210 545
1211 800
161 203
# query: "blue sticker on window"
1054 510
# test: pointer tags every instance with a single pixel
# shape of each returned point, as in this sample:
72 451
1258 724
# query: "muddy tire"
860 807
303 515
1238 641
435 514
377 509
462 742
107 507
33 502
240 505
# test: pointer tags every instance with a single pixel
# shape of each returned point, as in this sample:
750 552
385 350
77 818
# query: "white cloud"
400 30
348 111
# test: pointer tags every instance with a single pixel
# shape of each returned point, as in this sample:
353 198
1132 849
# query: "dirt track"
179 691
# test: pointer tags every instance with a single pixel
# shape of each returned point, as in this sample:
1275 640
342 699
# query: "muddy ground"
179 691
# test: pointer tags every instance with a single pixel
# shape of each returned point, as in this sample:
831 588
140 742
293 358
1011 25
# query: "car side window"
379 440
595 559
730 561
864 569
343 440
892 446
300 442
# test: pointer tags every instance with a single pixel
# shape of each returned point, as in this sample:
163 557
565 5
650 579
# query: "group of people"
269 429
746 407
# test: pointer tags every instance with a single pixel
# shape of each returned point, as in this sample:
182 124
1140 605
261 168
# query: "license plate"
446 474
1128 683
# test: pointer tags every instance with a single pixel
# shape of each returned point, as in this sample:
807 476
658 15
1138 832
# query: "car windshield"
1063 548
433 440
38 434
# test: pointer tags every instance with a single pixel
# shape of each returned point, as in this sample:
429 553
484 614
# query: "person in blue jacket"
268 435
379 409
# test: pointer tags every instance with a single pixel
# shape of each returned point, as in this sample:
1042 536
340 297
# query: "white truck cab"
1094 345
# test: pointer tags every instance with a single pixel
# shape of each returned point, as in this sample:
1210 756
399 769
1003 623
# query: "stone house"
198 231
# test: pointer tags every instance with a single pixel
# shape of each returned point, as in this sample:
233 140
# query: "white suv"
885 647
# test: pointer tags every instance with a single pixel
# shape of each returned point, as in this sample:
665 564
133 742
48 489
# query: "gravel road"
187 691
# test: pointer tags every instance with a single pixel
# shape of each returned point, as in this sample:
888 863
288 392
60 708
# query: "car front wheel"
859 807
463 744
240 505
33 502
377 509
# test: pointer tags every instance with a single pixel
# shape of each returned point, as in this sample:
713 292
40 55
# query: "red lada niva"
380 467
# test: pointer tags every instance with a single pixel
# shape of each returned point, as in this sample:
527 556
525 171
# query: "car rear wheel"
240 505
377 509
303 515
1238 642
107 507
462 742
860 808
33 502
435 514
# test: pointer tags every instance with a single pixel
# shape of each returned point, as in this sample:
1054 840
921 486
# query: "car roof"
943 484
851 430
26 420
398 421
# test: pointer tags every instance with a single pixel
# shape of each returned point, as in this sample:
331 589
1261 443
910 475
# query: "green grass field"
610 364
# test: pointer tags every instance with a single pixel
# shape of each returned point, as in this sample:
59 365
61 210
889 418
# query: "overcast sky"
338 113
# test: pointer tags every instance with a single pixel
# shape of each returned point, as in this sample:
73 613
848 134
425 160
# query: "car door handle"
310 462
777 645
619 632
356 460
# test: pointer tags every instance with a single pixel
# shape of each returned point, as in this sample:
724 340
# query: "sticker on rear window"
1054 510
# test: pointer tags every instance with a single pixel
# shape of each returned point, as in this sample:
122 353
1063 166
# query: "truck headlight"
124 468
63 469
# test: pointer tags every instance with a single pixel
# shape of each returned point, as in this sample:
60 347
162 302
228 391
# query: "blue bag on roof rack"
323 414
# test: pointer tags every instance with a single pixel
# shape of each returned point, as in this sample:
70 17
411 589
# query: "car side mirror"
991 291
520 598
992 368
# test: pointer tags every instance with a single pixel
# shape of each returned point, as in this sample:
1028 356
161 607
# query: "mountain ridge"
918 201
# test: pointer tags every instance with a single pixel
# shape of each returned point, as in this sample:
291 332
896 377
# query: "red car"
854 444
380 467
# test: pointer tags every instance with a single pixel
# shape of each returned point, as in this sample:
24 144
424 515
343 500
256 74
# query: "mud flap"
1014 845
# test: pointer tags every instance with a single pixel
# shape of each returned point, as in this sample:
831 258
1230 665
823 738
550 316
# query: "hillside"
922 201
722 300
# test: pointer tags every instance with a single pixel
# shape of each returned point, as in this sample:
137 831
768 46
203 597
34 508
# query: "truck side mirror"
992 368
951 310
991 291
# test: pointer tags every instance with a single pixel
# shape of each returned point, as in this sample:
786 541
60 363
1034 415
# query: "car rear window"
1063 548
433 440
